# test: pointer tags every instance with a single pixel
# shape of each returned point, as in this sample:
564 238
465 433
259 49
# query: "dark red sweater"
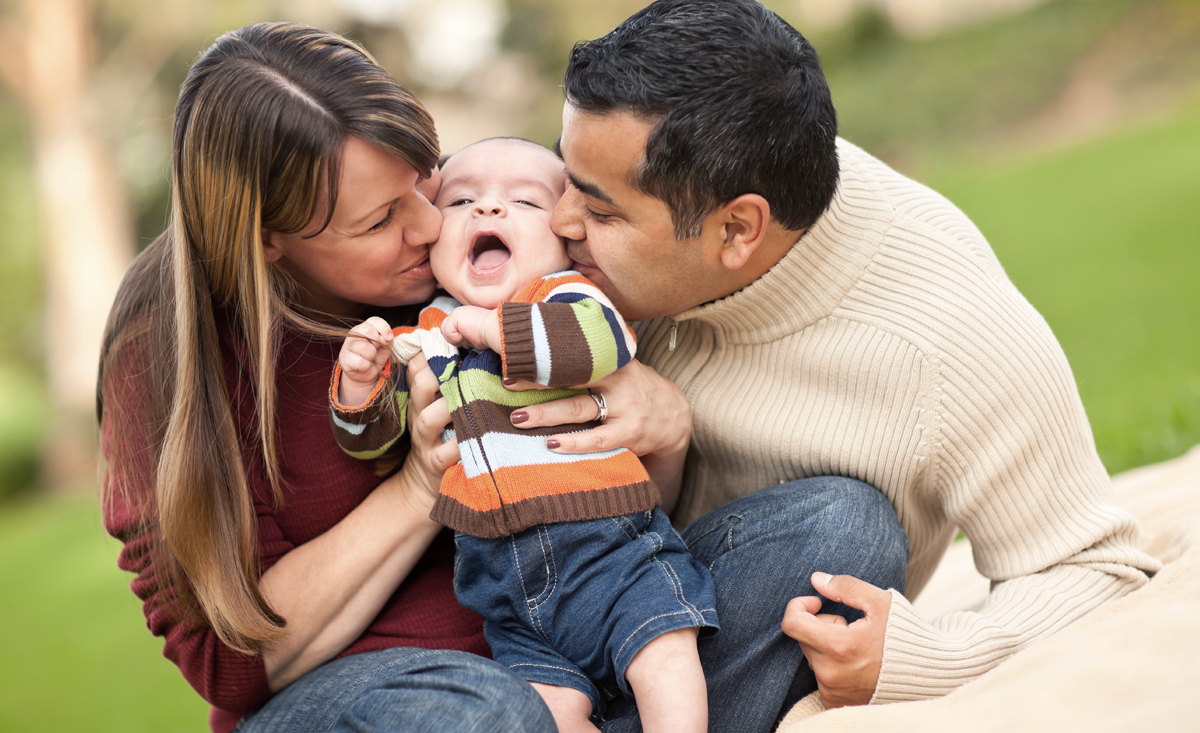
321 486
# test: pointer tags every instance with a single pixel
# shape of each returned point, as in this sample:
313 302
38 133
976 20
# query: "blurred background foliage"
1069 130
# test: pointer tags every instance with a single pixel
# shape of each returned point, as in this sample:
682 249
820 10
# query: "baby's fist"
473 326
364 355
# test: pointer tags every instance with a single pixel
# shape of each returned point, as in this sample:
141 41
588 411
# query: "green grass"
1104 239
899 98
75 650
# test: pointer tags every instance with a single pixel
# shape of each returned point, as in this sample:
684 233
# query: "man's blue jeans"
761 549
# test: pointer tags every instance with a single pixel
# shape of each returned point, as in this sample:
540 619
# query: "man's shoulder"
922 222
867 178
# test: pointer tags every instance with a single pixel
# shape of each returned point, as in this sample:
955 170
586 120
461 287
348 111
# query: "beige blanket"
1133 664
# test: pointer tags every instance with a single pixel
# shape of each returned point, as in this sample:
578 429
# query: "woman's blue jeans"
761 549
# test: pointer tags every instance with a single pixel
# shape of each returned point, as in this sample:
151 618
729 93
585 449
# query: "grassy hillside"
1066 64
1104 239
77 656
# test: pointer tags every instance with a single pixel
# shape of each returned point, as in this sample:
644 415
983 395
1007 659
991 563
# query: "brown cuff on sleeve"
516 337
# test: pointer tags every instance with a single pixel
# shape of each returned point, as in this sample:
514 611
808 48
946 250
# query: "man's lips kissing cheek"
578 252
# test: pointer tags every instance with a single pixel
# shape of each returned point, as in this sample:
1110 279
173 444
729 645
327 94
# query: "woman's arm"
331 588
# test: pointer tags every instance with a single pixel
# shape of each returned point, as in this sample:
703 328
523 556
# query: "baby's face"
496 200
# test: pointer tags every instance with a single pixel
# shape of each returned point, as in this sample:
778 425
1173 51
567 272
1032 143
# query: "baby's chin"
489 297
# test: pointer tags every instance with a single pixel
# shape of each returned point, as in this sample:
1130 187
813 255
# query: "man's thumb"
851 591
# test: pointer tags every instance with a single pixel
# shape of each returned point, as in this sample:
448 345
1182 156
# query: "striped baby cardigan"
560 330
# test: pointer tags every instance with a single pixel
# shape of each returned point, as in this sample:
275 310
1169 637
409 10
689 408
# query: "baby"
586 589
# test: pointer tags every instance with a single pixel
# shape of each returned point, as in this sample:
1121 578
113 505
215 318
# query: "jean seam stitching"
535 606
552 666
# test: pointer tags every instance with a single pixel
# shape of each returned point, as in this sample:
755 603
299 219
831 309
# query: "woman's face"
375 250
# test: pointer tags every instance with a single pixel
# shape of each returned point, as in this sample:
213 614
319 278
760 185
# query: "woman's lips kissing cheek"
420 270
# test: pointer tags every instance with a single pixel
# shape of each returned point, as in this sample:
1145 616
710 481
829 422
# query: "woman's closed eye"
387 219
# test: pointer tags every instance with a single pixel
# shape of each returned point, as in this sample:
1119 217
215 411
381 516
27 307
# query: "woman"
267 559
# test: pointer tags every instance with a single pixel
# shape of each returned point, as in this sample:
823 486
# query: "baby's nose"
488 208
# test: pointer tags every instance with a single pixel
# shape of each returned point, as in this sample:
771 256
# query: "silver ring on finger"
601 405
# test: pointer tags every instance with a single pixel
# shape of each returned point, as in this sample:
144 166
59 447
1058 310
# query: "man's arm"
1012 463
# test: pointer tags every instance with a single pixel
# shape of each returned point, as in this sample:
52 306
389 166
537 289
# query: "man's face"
496 198
620 238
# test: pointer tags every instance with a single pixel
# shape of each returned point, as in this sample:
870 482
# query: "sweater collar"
809 282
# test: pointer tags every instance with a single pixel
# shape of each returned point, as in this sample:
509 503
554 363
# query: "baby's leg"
570 707
668 684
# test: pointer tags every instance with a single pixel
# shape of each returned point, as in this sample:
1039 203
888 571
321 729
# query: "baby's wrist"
352 393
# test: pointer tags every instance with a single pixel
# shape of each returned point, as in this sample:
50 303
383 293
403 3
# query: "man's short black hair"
738 99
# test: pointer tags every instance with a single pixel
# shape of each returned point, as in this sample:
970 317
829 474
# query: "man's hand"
846 659
478 327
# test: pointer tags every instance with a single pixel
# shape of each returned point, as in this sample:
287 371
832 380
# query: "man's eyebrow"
590 189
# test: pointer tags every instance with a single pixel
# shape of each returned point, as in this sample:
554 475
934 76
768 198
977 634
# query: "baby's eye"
460 202
528 203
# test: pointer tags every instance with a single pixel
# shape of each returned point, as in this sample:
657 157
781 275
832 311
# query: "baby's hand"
478 327
362 360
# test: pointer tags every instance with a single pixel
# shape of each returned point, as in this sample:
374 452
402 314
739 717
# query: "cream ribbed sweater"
889 346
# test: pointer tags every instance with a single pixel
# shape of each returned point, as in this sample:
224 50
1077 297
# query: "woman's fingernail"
551 443
508 381
821 578
518 417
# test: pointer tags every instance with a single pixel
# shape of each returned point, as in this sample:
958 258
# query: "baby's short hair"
442 160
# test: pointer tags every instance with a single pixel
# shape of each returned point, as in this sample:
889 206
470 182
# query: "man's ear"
744 226
272 249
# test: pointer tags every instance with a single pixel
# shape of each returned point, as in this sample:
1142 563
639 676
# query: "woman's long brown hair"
259 128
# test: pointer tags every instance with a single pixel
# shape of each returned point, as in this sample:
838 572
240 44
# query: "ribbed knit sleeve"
889 346
562 331
369 430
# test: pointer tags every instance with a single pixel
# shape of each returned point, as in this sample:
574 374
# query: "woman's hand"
647 414
331 588
428 416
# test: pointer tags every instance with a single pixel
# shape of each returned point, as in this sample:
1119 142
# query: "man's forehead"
604 152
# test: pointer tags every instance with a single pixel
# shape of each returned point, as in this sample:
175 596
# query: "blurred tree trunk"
86 224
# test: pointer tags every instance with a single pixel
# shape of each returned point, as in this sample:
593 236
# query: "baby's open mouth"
488 252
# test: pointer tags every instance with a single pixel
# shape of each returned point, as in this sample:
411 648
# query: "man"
824 315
